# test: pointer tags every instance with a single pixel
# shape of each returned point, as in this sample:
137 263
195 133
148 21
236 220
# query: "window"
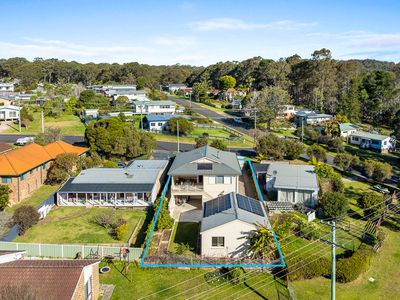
13 114
218 241
24 176
219 179
164 106
204 166
375 142
227 179
6 180
355 138
88 289
159 124
153 124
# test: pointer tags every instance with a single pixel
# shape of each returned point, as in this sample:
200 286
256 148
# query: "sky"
198 32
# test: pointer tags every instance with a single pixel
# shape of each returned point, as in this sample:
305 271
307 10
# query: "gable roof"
233 212
223 162
21 160
10 107
47 279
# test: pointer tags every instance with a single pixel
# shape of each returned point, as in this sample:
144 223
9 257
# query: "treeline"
362 90
61 71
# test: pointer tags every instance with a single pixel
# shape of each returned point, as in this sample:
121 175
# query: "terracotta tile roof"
47 279
19 161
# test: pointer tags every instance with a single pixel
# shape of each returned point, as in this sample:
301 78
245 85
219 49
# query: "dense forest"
366 90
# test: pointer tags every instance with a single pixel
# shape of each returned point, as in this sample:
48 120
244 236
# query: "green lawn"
69 124
186 233
70 225
141 282
38 197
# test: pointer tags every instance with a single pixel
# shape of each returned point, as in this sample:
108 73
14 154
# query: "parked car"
237 120
121 164
25 140
380 189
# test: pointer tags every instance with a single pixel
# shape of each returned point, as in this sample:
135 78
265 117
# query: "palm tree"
262 243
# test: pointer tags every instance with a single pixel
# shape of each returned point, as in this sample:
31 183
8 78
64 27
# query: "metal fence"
70 251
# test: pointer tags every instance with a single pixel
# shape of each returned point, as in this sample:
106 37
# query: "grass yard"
38 197
145 282
69 124
71 225
186 233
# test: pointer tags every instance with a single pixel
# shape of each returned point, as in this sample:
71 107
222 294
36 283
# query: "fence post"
62 250
83 251
16 246
102 251
40 249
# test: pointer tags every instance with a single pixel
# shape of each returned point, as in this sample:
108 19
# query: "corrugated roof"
159 118
301 177
223 162
21 160
71 187
369 135
154 103
347 126
233 213
46 279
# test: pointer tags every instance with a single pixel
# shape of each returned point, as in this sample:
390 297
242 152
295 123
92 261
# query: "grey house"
227 223
136 185
294 184
203 174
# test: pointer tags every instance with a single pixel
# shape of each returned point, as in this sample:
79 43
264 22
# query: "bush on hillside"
349 269
25 217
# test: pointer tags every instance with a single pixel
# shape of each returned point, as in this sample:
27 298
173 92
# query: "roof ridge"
9 161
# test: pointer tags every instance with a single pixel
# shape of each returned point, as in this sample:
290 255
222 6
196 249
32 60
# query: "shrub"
5 192
183 248
270 146
219 144
308 230
348 269
62 167
164 219
317 152
25 217
110 164
329 178
307 267
293 149
346 161
185 126
201 141
336 144
370 201
377 170
108 219
120 231
309 133
333 204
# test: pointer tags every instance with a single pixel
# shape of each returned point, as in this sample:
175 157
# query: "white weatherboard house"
156 123
203 174
9 112
227 223
346 129
160 107
132 95
6 87
294 184
380 142
310 118
136 185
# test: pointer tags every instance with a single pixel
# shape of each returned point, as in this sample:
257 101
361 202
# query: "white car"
237 120
24 141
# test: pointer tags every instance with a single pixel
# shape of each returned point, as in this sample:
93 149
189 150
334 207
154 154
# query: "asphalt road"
161 146
226 120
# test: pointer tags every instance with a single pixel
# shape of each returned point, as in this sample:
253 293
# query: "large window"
218 241
219 179
6 180
88 289
24 176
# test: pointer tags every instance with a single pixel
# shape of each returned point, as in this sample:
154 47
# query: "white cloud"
237 24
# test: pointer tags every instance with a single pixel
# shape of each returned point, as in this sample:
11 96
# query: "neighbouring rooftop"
370 136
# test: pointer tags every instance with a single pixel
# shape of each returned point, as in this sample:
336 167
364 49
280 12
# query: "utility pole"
333 244
190 99
19 115
42 121
177 132
302 129
255 126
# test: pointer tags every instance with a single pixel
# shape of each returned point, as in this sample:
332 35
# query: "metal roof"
71 187
154 103
300 177
233 212
371 136
223 162
311 114
159 118
348 126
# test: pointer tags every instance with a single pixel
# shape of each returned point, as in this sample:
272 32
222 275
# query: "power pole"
255 126
333 259
19 115
42 121
177 132
190 99
302 129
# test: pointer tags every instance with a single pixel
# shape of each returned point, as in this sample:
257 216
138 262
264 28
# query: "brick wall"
22 189
80 287
96 282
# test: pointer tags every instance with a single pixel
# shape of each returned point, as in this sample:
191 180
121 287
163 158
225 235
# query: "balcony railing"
187 187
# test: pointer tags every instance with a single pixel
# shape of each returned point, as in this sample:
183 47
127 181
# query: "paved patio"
188 212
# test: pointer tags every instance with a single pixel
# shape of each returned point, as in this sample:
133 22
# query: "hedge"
348 269
308 267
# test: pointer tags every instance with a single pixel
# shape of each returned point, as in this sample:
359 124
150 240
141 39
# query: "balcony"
187 187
